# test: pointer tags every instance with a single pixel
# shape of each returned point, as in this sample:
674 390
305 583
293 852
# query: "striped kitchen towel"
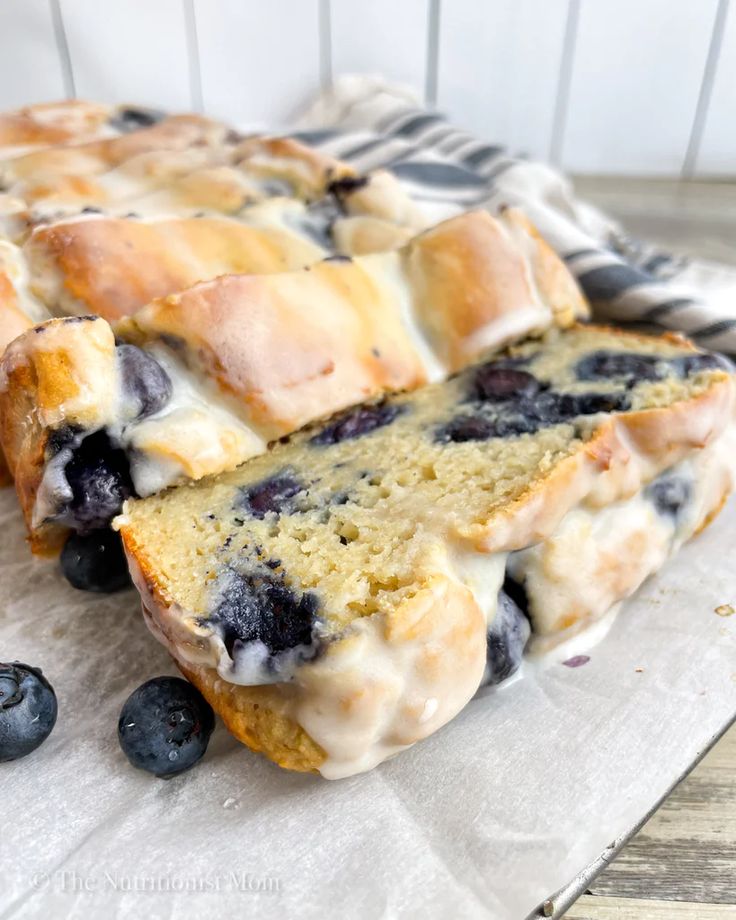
371 124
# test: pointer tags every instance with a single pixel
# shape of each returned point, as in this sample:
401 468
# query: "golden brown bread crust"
212 172
291 347
176 132
469 282
297 346
112 267
556 284
51 123
14 322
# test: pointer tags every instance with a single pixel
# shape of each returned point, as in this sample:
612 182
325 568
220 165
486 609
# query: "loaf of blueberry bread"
197 382
345 595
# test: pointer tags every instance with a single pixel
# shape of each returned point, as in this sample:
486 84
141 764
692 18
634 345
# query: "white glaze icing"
599 555
198 430
15 267
389 270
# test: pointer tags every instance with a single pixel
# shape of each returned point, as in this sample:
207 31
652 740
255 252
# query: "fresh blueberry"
165 726
258 608
508 635
358 422
493 382
145 381
27 710
271 495
95 562
619 365
132 119
99 479
669 494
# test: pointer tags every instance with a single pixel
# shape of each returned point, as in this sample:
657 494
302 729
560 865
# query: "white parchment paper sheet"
486 819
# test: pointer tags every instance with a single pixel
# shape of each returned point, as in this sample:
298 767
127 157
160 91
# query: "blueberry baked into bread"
197 382
346 594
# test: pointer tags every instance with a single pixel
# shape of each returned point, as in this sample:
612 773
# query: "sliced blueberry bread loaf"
346 594
198 382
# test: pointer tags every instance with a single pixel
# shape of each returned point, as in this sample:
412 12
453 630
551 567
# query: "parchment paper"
485 819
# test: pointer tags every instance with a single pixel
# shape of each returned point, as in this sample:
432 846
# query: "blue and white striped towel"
371 124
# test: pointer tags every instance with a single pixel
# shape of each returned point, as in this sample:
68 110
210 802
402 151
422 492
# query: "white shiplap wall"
635 86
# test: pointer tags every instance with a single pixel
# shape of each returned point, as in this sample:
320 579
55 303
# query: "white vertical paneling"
499 69
259 59
134 51
30 66
717 154
635 84
384 37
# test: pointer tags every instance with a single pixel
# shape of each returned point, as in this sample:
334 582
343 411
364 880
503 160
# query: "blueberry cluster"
504 401
630 368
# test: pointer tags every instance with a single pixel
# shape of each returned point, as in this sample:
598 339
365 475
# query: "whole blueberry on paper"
165 726
28 710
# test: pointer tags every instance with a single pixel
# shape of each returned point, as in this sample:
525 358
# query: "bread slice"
191 167
333 598
197 382
72 121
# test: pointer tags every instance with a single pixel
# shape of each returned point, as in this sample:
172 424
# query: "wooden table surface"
682 863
